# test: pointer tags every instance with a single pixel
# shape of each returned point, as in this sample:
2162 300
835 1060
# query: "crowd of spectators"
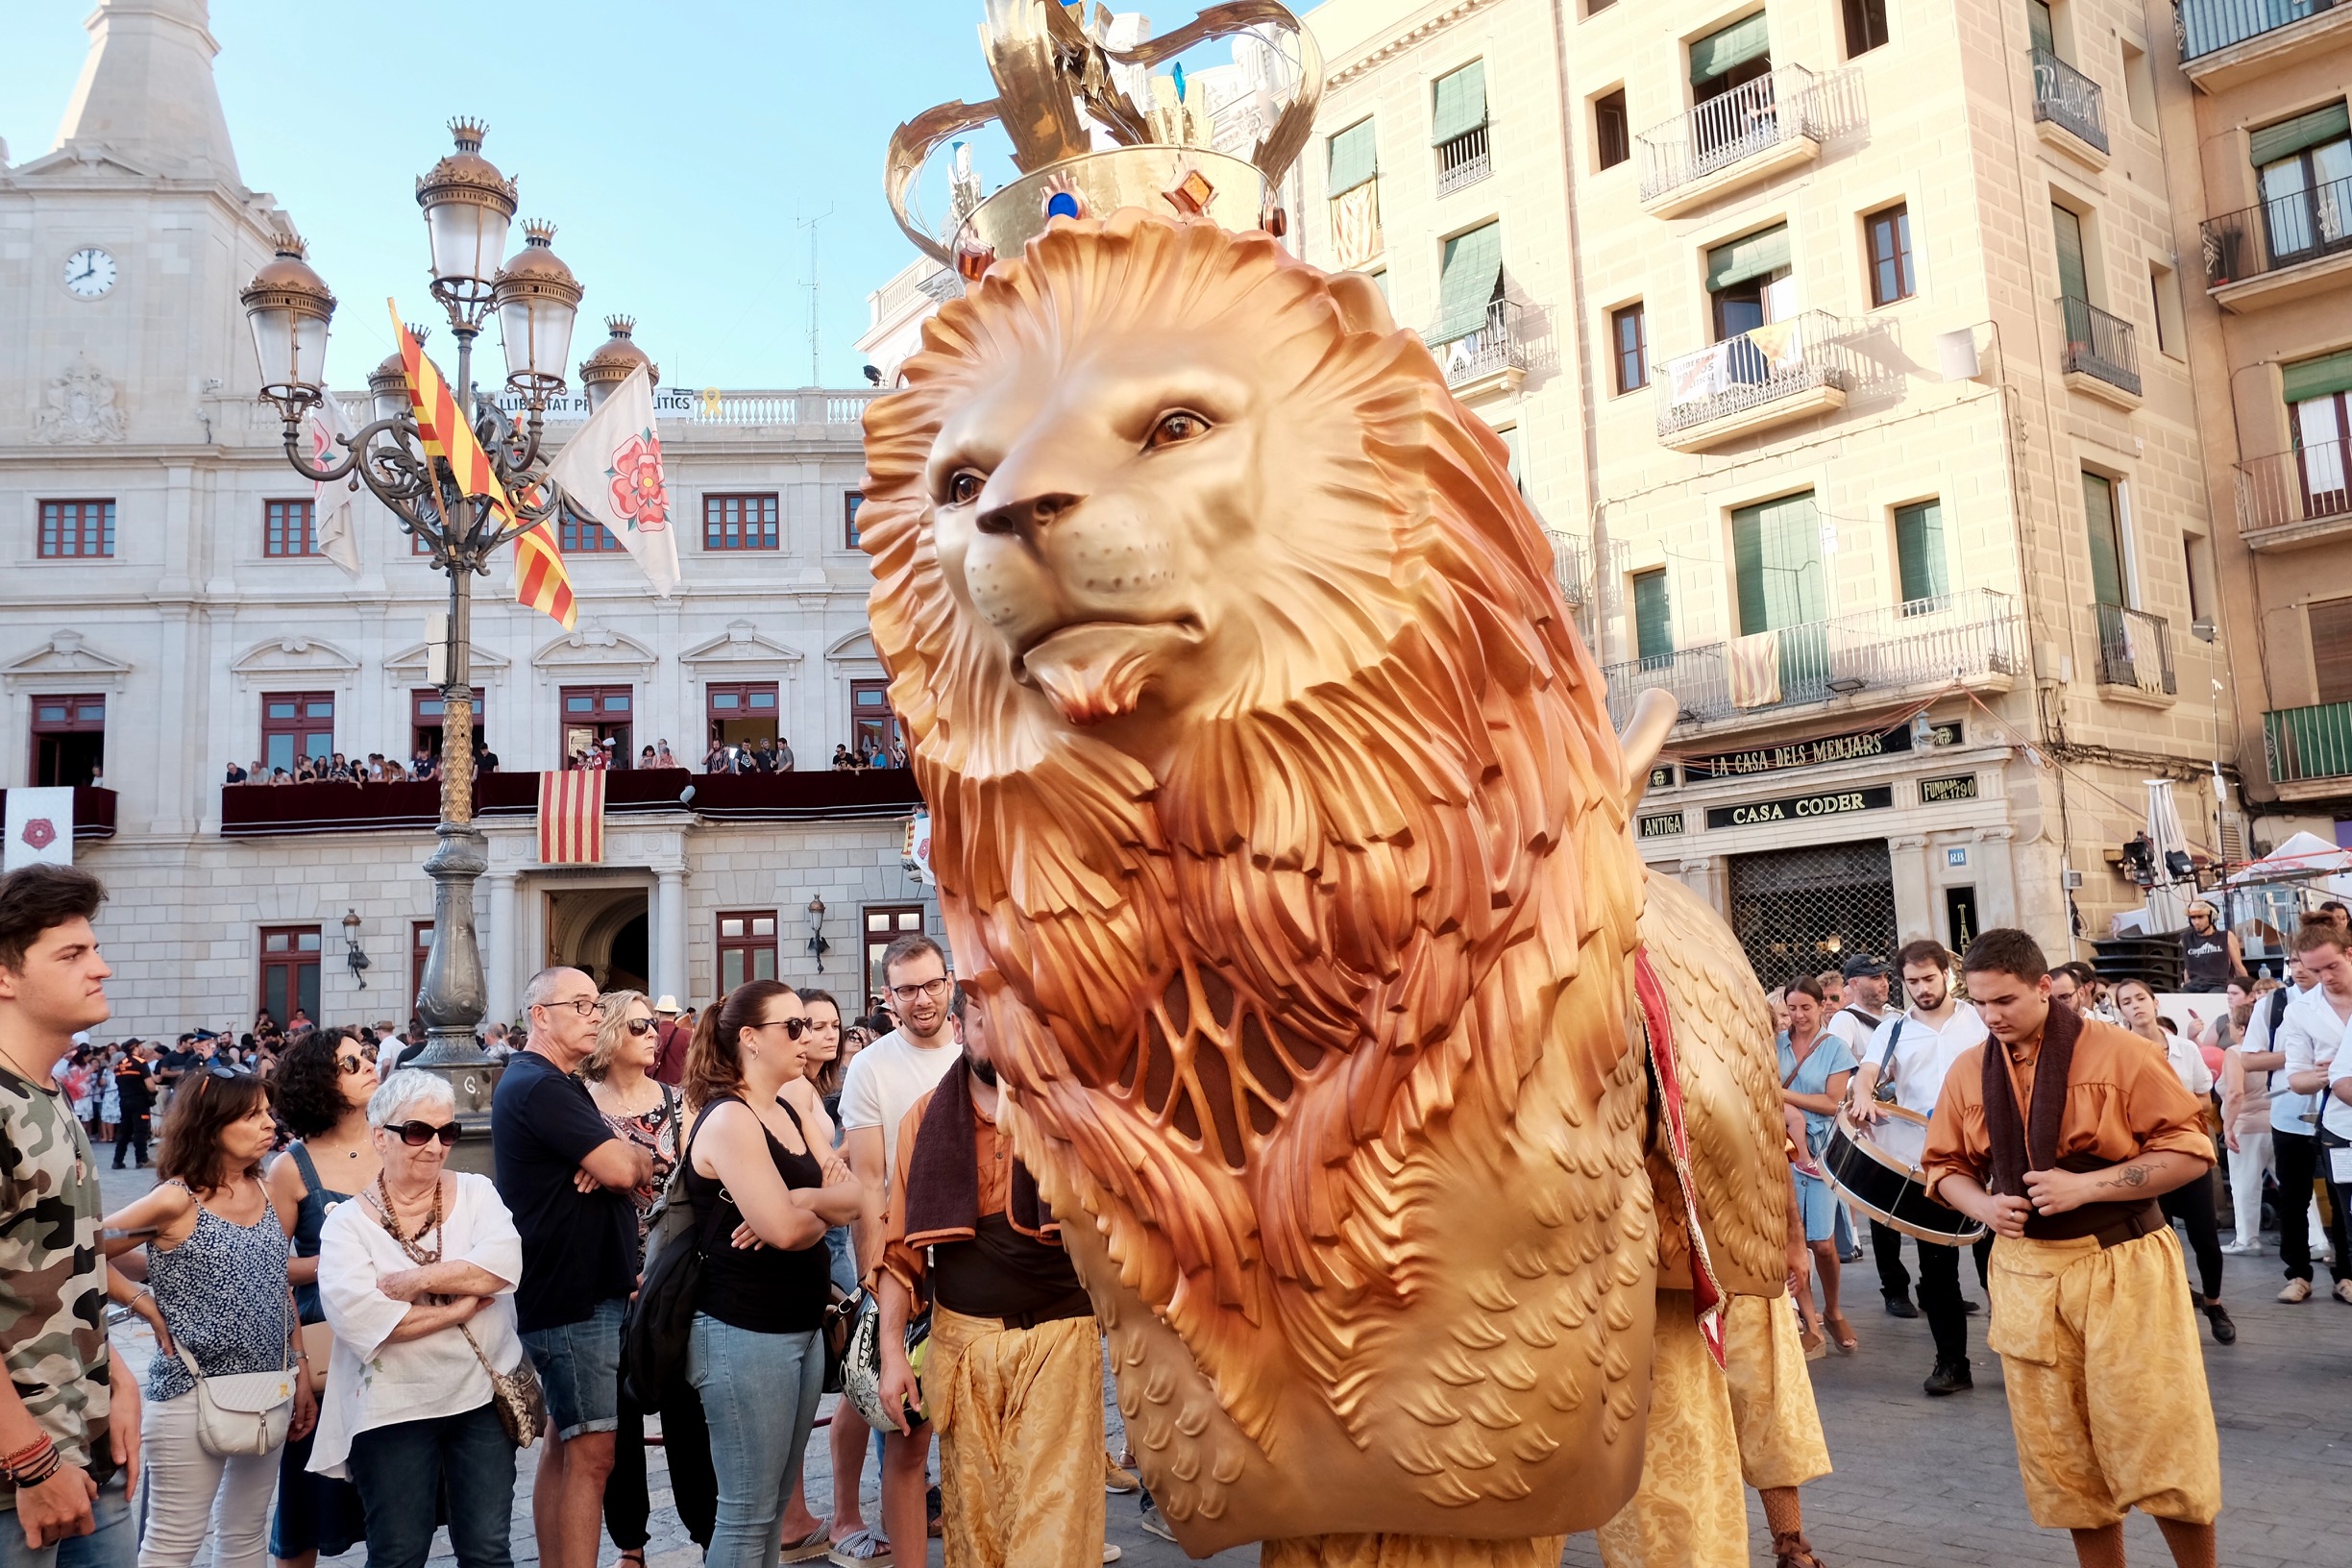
376 768
769 755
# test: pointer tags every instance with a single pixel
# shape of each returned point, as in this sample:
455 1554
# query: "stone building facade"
168 616
1838 343
2252 100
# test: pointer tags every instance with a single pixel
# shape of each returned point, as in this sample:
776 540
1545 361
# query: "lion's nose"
1027 517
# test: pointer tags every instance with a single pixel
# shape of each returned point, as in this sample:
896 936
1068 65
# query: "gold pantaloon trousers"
1019 1415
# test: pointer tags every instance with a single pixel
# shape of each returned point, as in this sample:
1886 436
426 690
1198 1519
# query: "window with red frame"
76 528
68 738
578 535
419 953
295 725
288 527
739 522
746 947
850 503
289 972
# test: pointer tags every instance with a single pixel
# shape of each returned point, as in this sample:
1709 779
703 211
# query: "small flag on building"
572 817
333 500
40 829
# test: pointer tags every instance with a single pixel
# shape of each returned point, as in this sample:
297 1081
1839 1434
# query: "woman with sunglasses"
755 1175
417 1275
644 1111
323 1087
217 1264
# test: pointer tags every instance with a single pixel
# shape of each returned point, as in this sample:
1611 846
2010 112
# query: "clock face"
89 272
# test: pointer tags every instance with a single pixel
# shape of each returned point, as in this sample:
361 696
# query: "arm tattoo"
2129 1176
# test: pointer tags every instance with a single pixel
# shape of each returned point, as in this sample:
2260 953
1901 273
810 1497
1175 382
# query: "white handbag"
243 1413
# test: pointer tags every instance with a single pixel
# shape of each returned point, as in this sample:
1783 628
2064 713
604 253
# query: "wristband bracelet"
38 1470
26 1455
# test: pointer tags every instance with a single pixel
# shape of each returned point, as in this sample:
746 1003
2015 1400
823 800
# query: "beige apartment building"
1841 345
2251 94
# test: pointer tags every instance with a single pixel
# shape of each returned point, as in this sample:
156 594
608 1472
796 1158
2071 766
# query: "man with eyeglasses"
880 1087
567 1180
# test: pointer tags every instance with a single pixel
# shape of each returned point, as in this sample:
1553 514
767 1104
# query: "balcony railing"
259 810
2065 97
2281 231
1773 361
2309 743
2311 484
2205 27
93 812
1462 161
707 406
1751 119
1495 344
2135 650
2099 344
1926 642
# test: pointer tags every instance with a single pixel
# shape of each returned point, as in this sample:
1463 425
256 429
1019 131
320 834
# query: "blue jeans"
580 1366
400 1468
113 1543
759 1395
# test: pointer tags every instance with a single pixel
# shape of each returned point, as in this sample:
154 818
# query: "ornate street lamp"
613 362
468 208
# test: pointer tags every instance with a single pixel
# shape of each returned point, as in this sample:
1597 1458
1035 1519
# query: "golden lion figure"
1280 827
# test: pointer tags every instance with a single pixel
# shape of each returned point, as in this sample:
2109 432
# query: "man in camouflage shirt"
68 1410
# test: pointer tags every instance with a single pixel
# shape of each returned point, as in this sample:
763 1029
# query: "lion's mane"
1368 899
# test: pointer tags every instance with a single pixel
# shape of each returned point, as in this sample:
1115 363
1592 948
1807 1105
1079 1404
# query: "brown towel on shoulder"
943 1174
2015 1148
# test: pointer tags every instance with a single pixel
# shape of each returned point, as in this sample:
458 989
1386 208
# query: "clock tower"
135 219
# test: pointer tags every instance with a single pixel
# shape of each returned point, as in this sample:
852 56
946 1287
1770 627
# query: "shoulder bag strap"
1888 1059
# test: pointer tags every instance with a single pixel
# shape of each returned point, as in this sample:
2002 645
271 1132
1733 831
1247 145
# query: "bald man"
567 1180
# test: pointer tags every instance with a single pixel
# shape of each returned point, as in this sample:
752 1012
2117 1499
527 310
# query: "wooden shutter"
1918 550
2038 24
1758 254
1460 103
2106 540
2073 278
2288 137
2309 378
1776 553
1471 273
1354 158
1653 616
1727 49
2331 639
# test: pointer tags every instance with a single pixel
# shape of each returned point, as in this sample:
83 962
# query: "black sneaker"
2224 1332
1949 1378
1969 1308
1899 1306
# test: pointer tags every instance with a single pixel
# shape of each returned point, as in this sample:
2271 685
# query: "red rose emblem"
40 833
638 493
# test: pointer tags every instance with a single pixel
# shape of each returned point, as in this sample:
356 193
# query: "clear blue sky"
672 144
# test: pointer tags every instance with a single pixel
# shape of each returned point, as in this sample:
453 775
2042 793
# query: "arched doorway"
604 932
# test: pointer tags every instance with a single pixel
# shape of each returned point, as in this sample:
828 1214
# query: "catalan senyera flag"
572 817
541 582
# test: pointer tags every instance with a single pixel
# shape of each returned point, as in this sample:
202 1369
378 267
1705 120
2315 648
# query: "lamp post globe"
613 362
468 207
538 299
289 307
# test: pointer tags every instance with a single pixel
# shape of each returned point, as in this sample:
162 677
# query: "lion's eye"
1176 426
963 487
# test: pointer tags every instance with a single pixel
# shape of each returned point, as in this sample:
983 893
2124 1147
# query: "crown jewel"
1083 146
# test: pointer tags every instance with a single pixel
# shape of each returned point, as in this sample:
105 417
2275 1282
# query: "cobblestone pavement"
1920 1483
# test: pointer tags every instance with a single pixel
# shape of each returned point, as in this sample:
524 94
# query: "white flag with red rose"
40 829
612 472
330 511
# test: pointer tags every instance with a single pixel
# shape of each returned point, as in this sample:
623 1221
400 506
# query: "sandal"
1841 1333
814 1547
860 1548
635 1553
1794 1550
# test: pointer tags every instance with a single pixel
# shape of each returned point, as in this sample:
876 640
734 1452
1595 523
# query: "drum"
1891 1190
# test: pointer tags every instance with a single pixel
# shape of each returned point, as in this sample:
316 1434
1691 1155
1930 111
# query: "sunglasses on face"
417 1133
351 1066
794 1028
639 1026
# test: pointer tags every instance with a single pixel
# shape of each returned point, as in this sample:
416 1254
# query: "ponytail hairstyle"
714 1058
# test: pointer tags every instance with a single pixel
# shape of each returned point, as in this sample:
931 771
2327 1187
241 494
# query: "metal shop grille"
1801 911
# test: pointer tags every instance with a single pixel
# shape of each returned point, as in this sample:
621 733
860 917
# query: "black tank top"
2206 957
765 1290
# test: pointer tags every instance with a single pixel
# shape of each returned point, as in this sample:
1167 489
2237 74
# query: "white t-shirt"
885 1079
1923 1054
2310 1034
1853 1032
2187 1064
370 1384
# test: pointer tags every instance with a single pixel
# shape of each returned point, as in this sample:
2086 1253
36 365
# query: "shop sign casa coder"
1793 808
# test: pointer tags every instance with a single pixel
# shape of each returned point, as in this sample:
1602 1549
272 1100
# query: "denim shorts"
580 1366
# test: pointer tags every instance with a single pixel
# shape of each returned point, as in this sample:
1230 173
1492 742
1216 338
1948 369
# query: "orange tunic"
2124 1100
992 1153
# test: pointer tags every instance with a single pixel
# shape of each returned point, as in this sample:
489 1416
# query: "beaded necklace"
413 1246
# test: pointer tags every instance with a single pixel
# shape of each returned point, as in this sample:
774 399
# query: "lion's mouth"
1097 670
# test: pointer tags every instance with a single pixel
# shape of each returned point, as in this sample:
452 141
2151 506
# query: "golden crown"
1063 90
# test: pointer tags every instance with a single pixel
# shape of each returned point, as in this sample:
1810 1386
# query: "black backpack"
655 1331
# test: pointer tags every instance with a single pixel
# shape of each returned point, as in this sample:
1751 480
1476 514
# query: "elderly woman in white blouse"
417 1276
